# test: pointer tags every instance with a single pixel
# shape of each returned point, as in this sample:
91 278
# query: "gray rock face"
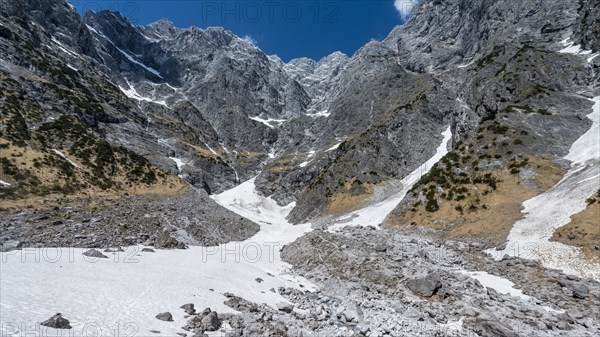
57 322
426 286
165 316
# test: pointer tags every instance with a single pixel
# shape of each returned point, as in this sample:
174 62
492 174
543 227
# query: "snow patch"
544 214
268 122
466 65
311 154
74 164
180 163
334 147
374 215
133 60
93 30
4 183
132 93
73 68
129 57
64 48
210 149
324 113
572 48
501 285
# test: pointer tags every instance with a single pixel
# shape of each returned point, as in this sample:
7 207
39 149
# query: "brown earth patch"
583 231
495 212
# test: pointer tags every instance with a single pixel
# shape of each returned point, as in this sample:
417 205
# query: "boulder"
211 322
285 307
95 253
165 316
426 286
487 328
57 322
189 308
579 290
165 241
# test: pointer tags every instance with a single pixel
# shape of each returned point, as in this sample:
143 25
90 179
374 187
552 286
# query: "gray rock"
95 253
148 250
211 322
165 316
285 307
579 290
493 329
425 286
10 245
57 322
189 308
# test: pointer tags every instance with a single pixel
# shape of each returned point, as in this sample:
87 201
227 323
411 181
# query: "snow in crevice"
210 149
127 55
324 113
310 155
4 184
180 164
467 64
133 60
74 164
268 122
132 93
374 215
64 48
72 68
335 147
545 213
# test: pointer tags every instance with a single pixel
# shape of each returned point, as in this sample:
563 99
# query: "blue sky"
288 28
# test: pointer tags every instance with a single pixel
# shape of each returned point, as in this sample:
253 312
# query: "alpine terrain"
161 181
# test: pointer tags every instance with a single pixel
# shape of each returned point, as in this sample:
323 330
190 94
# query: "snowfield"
129 289
374 215
547 212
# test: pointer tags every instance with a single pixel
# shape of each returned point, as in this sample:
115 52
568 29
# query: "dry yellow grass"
23 158
583 231
346 201
503 206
